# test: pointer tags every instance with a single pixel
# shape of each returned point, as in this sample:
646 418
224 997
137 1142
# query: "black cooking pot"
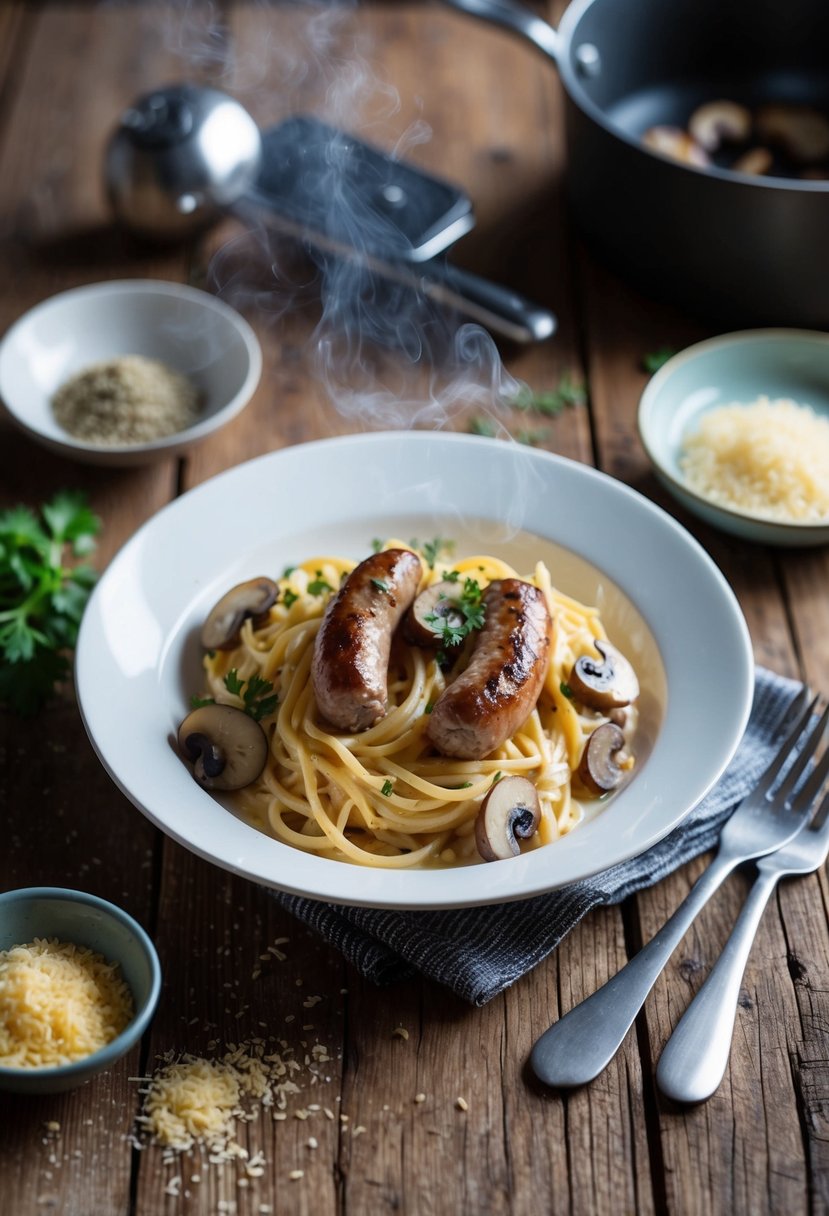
724 244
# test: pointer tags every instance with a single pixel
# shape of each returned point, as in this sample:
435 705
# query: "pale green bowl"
740 367
86 920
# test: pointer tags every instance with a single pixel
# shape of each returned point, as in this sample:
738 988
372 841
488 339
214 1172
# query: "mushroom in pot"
802 133
719 122
224 622
510 810
756 162
604 685
227 747
599 770
677 144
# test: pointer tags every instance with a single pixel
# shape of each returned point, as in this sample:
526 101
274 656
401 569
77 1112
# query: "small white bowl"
189 330
86 920
739 367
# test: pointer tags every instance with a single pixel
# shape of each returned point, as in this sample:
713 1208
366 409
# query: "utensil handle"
582 1043
517 19
492 305
695 1056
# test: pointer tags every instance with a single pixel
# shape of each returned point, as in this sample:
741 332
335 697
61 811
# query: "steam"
383 351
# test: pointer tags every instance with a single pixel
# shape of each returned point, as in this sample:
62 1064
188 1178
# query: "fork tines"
792 781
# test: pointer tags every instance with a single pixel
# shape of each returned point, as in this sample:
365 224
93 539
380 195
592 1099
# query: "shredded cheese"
58 1003
766 458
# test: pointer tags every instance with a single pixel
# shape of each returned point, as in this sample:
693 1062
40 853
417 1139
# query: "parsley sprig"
42 598
466 615
256 693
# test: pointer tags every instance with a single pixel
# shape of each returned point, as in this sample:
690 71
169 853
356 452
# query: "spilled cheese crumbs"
767 458
58 1003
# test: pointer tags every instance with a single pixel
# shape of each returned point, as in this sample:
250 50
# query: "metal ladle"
184 155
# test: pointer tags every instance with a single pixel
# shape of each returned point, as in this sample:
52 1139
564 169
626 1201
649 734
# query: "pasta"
383 797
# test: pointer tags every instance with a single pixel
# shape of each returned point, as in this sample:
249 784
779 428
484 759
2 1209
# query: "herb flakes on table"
42 596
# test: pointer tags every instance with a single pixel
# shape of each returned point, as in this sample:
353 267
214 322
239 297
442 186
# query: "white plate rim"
99 681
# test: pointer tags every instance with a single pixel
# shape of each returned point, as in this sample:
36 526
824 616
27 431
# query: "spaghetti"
382 797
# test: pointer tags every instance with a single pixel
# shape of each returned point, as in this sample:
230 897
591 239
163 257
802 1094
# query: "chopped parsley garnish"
288 571
464 785
381 585
376 545
289 597
497 777
387 788
42 599
568 392
566 690
258 697
467 614
318 585
432 549
197 702
430 705
655 359
480 425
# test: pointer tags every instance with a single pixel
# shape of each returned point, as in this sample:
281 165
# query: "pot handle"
517 19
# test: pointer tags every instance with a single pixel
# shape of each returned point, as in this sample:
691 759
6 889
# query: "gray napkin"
477 952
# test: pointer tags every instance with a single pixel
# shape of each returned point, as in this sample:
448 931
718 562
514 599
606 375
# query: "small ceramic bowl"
739 367
86 920
189 330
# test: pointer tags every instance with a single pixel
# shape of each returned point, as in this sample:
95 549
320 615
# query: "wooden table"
762 1143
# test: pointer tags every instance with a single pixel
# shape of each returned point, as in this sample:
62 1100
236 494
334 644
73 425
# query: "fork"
694 1060
582 1043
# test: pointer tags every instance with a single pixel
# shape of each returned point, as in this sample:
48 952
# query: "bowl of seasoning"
125 372
79 984
737 430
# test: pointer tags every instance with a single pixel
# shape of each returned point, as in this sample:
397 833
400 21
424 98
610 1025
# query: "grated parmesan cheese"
58 1003
766 458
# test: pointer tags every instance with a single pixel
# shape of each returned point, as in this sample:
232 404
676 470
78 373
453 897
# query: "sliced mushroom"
599 770
511 809
676 143
227 747
719 122
604 685
802 133
757 162
435 607
224 622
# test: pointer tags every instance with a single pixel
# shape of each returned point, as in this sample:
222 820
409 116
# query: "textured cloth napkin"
477 952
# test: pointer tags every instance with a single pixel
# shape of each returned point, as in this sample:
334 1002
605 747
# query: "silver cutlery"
694 1060
582 1043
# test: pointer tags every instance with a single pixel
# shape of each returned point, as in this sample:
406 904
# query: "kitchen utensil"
179 157
695 1057
85 920
184 154
775 363
662 599
187 329
582 1043
746 250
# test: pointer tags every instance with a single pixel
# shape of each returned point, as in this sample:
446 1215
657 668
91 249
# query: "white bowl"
189 330
790 363
661 597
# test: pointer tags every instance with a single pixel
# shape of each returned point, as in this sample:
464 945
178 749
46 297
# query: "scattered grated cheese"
58 1002
766 458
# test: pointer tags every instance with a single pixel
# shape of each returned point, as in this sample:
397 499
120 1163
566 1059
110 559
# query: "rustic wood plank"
763 1166
54 234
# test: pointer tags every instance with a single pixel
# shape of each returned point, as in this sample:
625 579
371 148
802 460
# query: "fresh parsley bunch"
41 598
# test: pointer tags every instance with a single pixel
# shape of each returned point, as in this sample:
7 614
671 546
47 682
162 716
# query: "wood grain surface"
471 104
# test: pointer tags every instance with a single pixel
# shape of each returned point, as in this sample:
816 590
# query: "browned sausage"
497 691
351 654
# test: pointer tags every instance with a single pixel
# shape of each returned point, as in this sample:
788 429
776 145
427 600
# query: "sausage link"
351 653
497 691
